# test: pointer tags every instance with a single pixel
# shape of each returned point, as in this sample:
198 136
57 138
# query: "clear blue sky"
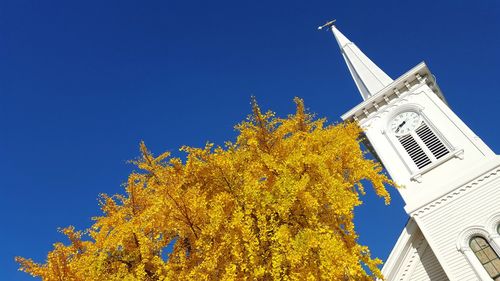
82 82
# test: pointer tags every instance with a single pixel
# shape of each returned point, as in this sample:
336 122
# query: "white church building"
450 178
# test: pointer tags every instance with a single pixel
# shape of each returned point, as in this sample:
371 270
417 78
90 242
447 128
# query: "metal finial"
327 24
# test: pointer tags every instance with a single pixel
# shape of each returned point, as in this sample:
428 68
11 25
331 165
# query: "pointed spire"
369 78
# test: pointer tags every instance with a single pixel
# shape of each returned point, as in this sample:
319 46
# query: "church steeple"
449 177
369 78
419 139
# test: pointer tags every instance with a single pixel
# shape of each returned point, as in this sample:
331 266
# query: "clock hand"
400 125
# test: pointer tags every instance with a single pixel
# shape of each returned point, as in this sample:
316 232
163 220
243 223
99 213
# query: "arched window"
417 138
423 146
487 256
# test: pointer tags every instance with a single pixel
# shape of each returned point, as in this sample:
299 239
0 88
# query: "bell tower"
450 178
421 142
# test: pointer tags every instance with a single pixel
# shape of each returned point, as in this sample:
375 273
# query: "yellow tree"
277 204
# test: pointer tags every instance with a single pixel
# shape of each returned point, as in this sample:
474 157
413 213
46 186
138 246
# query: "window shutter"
432 142
415 151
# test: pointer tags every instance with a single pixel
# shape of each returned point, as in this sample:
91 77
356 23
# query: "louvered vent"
415 151
432 142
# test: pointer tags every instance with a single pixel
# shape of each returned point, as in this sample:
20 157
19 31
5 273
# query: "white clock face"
405 122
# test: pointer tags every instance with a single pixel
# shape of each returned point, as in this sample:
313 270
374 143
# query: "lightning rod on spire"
327 24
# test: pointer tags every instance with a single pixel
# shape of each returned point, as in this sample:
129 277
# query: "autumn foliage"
275 205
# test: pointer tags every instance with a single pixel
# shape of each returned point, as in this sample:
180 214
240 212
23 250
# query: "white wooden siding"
428 268
444 222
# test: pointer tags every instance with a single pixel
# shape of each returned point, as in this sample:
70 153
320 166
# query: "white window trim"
415 172
463 246
492 227
458 153
393 140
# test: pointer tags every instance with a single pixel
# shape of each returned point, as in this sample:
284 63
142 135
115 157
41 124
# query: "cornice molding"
416 254
401 103
401 250
455 193
418 75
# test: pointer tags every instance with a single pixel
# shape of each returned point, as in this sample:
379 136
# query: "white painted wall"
443 220
412 258
427 268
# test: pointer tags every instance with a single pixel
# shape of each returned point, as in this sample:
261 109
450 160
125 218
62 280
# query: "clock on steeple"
407 121
450 178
